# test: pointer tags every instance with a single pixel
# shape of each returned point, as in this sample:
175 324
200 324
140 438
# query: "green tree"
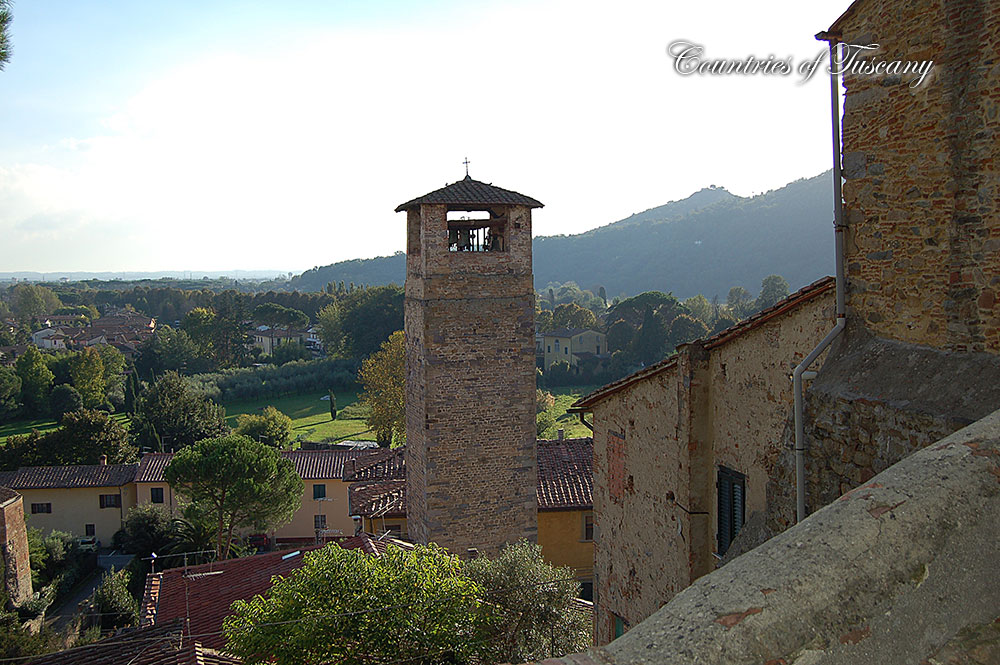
113 602
170 350
571 315
31 301
532 603
685 329
82 438
383 379
651 339
113 362
368 317
289 351
333 405
6 17
171 415
36 381
700 308
328 322
86 371
239 482
10 393
354 609
64 398
270 427
740 302
147 529
620 335
772 289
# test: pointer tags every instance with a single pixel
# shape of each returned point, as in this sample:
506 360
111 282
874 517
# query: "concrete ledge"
888 573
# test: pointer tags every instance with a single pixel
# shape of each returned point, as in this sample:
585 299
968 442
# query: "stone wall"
14 539
470 401
659 441
920 162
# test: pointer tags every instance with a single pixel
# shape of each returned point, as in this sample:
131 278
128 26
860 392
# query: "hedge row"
271 381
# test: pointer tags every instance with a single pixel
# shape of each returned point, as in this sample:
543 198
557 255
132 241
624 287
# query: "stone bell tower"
471 463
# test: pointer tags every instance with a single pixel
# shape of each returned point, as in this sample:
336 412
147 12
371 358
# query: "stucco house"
572 345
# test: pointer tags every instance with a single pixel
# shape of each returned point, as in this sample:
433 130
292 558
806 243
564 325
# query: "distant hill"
705 243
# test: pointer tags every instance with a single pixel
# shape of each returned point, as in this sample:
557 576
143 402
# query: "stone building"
14 540
683 450
470 367
917 359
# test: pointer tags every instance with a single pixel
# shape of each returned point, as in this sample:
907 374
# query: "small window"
565 350
588 526
557 346
550 349
156 494
319 521
111 501
38 508
319 491
618 626
89 530
731 487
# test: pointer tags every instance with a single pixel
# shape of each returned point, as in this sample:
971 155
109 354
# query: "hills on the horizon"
705 243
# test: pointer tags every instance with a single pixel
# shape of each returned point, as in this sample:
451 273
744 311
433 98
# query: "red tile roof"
155 645
565 482
370 544
566 474
803 295
204 593
379 498
151 467
381 464
50 477
471 192
309 464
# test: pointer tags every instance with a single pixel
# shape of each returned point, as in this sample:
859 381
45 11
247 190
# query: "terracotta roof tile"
309 464
471 192
154 645
49 477
791 301
565 482
381 464
204 593
566 474
379 498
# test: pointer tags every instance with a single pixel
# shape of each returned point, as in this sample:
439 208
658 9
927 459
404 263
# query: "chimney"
104 460
562 433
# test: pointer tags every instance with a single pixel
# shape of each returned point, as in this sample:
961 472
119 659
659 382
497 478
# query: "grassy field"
568 421
310 414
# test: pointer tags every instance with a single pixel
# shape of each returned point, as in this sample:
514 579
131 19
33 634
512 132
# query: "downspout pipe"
839 227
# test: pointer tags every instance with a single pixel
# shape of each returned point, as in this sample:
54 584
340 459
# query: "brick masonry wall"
14 536
471 459
920 163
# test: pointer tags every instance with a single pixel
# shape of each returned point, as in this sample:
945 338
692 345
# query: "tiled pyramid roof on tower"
473 193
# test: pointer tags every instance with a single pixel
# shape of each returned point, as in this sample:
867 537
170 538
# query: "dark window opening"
89 530
111 501
319 491
156 494
588 527
731 487
37 508
619 626
587 590
319 521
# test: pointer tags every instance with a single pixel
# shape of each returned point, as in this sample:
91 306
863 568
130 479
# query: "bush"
114 603
296 377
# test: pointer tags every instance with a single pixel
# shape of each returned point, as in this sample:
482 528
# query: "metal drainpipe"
839 226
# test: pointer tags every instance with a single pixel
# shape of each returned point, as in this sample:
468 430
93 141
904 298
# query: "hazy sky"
224 135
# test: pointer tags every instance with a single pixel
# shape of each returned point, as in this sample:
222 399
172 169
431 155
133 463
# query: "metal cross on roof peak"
466 162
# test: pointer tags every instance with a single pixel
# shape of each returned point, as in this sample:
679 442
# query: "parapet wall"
895 571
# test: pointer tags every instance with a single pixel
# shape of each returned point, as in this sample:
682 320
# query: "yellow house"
572 345
323 511
85 500
565 502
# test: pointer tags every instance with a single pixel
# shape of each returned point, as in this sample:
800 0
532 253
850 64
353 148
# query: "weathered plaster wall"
922 190
641 549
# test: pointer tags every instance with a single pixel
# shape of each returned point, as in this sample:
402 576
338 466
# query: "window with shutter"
731 487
